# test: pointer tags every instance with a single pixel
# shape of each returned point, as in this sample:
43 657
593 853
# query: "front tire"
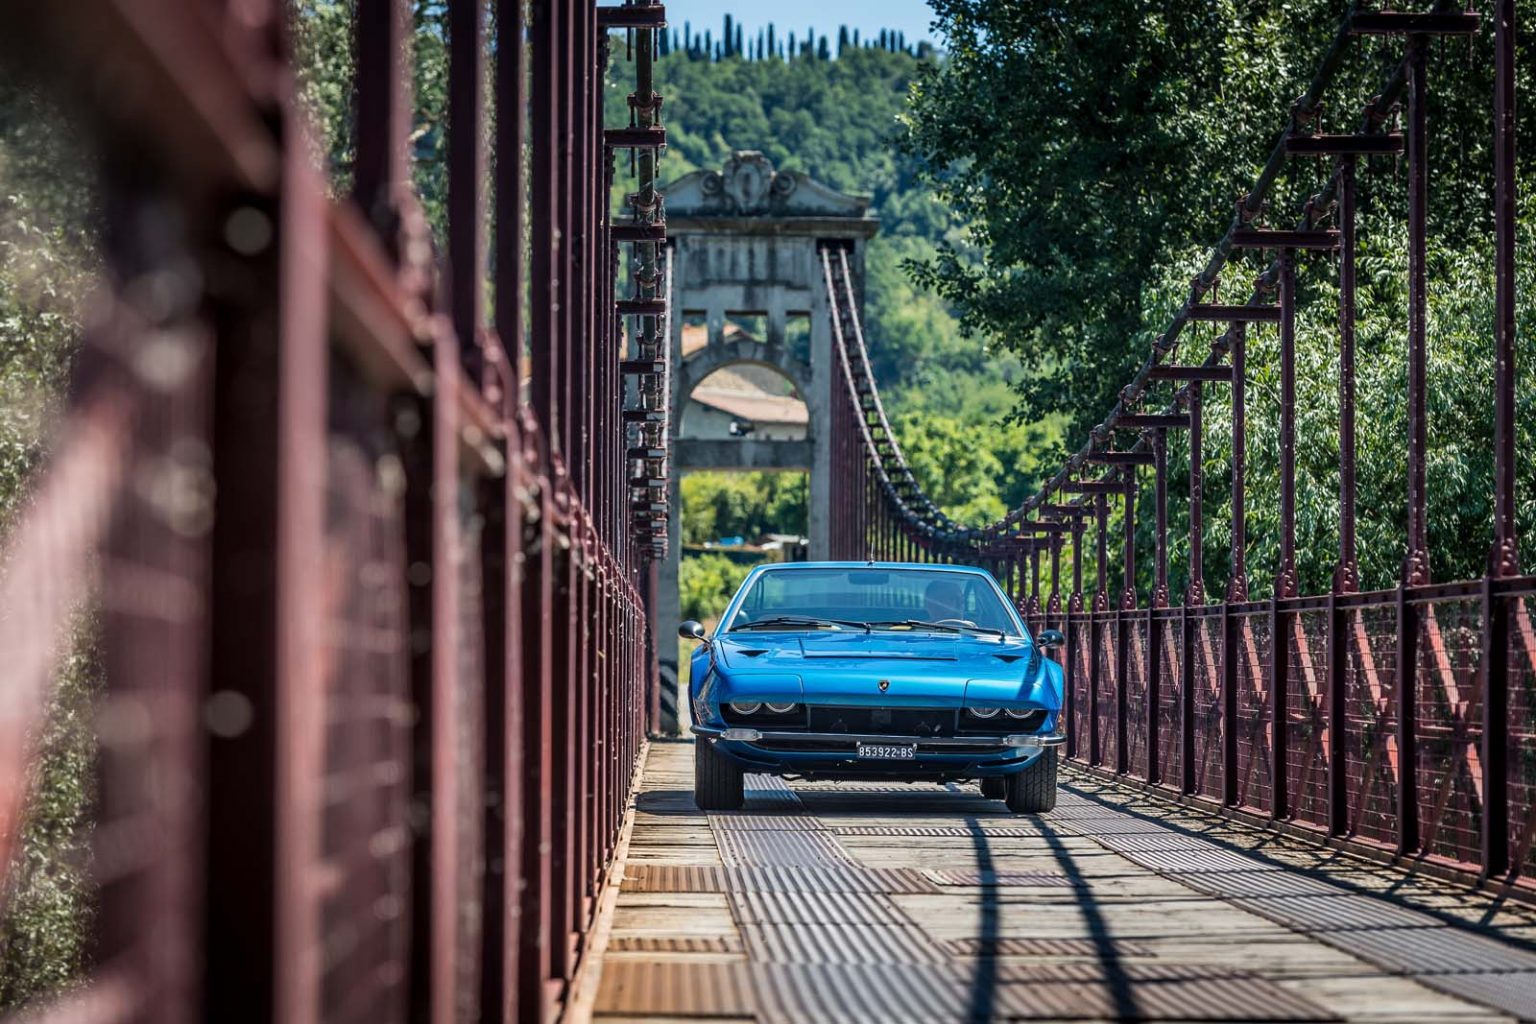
995 788
1033 790
716 779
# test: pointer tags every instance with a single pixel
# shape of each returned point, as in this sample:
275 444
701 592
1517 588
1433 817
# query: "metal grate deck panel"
1002 878
749 847
753 821
691 878
936 831
1258 884
839 943
674 944
1146 992
847 908
1188 861
933 993
770 793
1391 936
1034 947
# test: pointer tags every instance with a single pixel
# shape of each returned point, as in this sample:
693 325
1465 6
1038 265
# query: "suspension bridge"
372 525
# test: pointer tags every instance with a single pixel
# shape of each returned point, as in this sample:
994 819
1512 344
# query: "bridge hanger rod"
1375 111
1249 207
833 277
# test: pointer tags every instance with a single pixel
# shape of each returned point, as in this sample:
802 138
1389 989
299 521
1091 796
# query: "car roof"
928 566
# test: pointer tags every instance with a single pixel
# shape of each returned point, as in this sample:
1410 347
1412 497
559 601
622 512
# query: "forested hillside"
834 111
832 106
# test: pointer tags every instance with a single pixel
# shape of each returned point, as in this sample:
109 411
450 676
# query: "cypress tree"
772 47
842 39
727 35
822 50
739 50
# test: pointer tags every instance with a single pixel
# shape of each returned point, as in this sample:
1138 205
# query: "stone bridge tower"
749 298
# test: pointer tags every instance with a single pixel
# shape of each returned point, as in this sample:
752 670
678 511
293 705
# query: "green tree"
1083 145
48 264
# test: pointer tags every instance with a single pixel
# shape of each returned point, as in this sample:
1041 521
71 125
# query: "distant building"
743 400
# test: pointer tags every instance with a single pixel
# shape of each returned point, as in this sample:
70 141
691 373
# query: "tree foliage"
48 261
1093 152
742 505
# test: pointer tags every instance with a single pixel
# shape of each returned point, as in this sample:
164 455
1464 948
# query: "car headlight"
749 708
781 709
984 712
1020 712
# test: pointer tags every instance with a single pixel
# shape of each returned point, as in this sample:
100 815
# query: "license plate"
888 751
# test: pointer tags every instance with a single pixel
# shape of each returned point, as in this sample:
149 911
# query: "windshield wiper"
798 620
951 627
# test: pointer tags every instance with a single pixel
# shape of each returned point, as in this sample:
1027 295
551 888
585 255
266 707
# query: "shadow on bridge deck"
876 902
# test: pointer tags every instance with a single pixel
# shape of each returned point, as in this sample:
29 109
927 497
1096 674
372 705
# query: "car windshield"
883 599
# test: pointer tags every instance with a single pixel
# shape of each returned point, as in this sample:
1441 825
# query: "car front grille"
916 722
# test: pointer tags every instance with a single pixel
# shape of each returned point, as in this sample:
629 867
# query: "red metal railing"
369 564
1401 720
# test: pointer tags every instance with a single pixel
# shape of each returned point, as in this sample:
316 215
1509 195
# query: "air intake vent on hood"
1008 658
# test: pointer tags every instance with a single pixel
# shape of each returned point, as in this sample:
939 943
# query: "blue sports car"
866 670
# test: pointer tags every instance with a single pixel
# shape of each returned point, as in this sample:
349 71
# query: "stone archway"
746 243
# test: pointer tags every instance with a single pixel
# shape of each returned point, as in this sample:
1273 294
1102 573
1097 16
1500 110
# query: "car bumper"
836 754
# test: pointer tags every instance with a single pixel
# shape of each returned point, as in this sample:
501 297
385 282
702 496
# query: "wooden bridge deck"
926 903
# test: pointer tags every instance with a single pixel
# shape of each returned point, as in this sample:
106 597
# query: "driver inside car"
943 599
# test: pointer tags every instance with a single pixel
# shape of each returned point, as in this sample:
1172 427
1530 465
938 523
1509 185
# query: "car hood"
776 650
918 668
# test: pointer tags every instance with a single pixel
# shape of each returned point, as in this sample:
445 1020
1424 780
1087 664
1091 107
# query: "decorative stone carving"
746 182
749 186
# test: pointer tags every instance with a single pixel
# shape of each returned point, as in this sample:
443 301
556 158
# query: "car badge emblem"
885 684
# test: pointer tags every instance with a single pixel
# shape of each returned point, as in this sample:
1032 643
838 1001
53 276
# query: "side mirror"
692 630
1050 639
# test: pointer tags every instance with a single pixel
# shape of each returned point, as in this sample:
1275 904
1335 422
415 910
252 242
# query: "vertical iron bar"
1506 558
544 297
1154 691
1096 628
444 881
1285 579
1493 666
1279 679
1186 701
1346 577
1405 686
380 169
466 173
1160 526
1338 716
1237 585
1053 607
1229 629
1122 630
1074 666
1194 591
1416 565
